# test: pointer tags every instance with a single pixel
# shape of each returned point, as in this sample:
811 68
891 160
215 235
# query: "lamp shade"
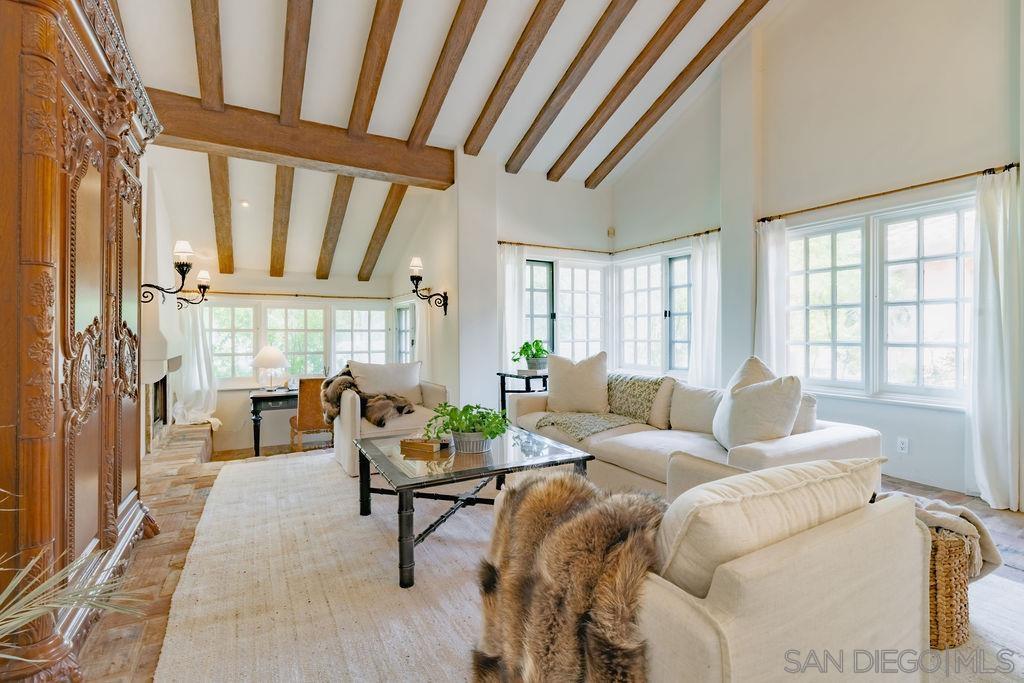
203 277
416 266
269 357
182 250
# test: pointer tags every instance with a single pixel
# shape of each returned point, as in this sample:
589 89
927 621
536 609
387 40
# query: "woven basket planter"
947 590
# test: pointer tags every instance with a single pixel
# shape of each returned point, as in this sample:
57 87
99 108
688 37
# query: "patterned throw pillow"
633 395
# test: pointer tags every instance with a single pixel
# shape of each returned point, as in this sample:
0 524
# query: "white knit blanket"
982 551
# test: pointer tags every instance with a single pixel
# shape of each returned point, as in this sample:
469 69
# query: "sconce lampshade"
269 357
416 266
182 250
203 277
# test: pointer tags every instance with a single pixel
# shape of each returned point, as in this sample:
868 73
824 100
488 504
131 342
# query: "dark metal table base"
407 541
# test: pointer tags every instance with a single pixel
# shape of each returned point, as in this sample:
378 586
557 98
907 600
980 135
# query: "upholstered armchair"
351 425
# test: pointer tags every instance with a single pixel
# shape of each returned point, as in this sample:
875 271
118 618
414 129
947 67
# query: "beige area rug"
286 582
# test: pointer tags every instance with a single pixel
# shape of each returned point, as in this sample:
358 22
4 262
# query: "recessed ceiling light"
244 204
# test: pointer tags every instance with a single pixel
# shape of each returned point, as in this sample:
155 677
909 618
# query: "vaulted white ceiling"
160 38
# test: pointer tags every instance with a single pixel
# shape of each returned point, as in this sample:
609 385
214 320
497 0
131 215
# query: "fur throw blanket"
562 585
376 408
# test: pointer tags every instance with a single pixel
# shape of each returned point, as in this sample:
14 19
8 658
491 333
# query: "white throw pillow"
757 406
693 408
398 379
578 387
807 415
662 406
717 522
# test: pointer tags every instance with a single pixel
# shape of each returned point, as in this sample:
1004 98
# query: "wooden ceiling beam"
206 27
296 47
595 44
380 232
529 41
375 57
259 136
332 231
677 19
282 215
220 190
459 34
732 27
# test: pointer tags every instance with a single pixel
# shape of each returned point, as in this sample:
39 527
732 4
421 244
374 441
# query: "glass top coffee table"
514 451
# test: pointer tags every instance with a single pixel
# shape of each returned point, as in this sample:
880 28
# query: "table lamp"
271 363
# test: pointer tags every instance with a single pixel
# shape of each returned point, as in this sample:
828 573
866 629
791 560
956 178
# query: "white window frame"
818 230
305 306
362 305
593 346
963 345
663 366
872 224
235 381
405 332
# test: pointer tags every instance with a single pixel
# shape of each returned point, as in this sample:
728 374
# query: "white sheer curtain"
421 351
771 295
511 271
705 273
997 413
194 386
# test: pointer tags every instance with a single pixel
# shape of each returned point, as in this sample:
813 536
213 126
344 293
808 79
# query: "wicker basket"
947 590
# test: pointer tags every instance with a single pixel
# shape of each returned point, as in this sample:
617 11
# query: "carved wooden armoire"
74 119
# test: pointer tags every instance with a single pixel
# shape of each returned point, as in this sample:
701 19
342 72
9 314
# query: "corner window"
232 332
538 303
679 312
360 334
580 311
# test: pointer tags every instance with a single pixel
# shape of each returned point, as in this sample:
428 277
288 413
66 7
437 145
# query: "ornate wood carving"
108 33
39 82
74 103
42 298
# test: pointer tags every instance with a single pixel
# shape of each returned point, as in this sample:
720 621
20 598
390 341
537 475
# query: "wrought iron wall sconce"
438 299
203 285
182 265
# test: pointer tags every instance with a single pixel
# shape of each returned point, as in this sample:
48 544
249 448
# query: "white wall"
674 188
435 241
823 100
531 208
874 94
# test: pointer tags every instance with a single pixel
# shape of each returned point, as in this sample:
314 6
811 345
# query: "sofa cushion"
757 406
693 408
640 397
662 407
647 453
399 379
806 416
714 523
403 424
578 387
530 420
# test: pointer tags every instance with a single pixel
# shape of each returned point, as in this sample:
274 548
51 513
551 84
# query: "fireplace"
160 417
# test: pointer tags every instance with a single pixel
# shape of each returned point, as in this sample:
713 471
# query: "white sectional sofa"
671 461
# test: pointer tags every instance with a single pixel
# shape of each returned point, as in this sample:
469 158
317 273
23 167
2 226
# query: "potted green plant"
534 353
472 427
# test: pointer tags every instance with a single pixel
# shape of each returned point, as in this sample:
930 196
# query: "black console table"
504 377
269 400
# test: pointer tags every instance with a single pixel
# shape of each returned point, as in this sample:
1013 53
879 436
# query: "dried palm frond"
29 596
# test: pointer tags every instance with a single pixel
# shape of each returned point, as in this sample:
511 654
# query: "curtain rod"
617 251
291 294
987 171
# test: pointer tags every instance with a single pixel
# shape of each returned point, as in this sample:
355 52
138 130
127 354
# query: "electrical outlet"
902 445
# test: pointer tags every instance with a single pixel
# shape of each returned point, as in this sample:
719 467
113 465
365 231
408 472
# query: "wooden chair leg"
299 439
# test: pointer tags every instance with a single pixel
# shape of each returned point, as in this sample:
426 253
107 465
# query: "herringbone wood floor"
175 486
